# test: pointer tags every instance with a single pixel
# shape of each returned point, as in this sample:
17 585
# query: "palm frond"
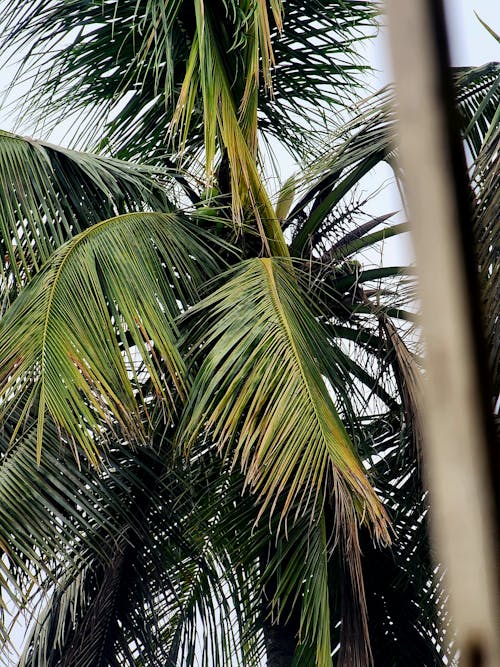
302 571
406 599
49 194
478 94
483 136
369 138
120 556
487 237
317 71
265 405
93 333
408 377
127 60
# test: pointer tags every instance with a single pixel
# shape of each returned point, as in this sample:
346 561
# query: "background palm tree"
210 407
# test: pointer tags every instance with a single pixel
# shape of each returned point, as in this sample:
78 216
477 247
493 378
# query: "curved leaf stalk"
81 359
236 129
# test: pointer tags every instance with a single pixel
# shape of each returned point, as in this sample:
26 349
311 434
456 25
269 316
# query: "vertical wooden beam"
456 459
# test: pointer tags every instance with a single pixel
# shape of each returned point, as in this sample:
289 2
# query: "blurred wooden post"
456 449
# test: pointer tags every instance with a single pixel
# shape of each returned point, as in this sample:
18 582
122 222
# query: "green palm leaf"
260 396
48 194
370 138
127 60
487 237
119 556
304 572
479 92
83 337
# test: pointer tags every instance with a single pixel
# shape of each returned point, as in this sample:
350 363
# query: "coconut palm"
209 404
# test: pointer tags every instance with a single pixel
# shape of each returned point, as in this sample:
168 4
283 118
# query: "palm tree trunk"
280 637
280 645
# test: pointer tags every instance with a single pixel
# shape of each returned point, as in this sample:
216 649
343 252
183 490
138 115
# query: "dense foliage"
209 391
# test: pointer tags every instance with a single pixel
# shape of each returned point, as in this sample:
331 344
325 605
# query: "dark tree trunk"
281 637
280 645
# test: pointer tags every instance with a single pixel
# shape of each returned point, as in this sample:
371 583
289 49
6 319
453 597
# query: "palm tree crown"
210 429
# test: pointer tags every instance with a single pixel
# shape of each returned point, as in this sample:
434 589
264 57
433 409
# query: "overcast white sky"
470 43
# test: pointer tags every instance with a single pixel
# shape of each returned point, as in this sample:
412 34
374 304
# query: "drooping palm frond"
260 399
407 372
121 560
104 54
97 323
481 113
48 194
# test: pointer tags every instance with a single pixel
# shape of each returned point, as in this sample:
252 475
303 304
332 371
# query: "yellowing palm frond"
259 395
48 194
230 124
93 335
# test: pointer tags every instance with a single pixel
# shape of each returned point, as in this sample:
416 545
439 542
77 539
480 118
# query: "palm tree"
209 406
